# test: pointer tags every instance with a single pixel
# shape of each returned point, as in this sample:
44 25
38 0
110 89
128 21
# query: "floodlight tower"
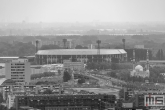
37 42
98 47
147 60
64 41
123 40
133 59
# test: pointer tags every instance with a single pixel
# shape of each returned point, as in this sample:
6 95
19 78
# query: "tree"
46 47
16 49
1 97
47 91
12 108
121 93
113 74
160 55
114 66
59 72
2 107
87 42
66 76
45 74
78 47
81 80
114 60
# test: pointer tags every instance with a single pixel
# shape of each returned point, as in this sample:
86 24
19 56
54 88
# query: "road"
103 82
110 78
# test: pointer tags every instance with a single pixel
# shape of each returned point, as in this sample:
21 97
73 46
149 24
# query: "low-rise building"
73 65
54 102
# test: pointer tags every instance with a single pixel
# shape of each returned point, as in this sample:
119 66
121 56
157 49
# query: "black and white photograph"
82 54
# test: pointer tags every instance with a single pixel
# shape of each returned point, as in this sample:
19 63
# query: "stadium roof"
153 61
9 57
81 52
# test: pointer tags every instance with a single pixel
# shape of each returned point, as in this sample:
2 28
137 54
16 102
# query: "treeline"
45 83
140 54
22 46
160 55
105 65
46 74
16 49
47 47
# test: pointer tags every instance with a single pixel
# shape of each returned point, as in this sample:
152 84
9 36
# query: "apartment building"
18 70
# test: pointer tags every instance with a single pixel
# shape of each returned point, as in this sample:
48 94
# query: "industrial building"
84 55
63 102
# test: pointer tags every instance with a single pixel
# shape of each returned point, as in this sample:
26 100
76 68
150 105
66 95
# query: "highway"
104 82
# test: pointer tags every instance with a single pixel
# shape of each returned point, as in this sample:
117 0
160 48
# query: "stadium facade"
85 55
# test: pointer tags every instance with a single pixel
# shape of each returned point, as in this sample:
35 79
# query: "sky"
82 10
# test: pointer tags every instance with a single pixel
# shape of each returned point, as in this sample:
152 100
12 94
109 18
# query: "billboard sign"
154 100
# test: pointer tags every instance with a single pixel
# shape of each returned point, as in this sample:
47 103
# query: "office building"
18 70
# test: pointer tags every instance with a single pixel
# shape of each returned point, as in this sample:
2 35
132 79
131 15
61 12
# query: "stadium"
86 55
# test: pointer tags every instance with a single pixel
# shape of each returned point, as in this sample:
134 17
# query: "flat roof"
9 57
81 52
62 95
153 61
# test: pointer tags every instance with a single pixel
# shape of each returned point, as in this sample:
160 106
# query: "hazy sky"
82 10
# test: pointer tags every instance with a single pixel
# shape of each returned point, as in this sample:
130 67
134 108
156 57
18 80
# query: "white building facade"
19 71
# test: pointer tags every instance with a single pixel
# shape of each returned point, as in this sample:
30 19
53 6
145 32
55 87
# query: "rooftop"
80 52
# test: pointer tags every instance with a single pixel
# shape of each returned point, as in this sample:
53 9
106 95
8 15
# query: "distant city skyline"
82 10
